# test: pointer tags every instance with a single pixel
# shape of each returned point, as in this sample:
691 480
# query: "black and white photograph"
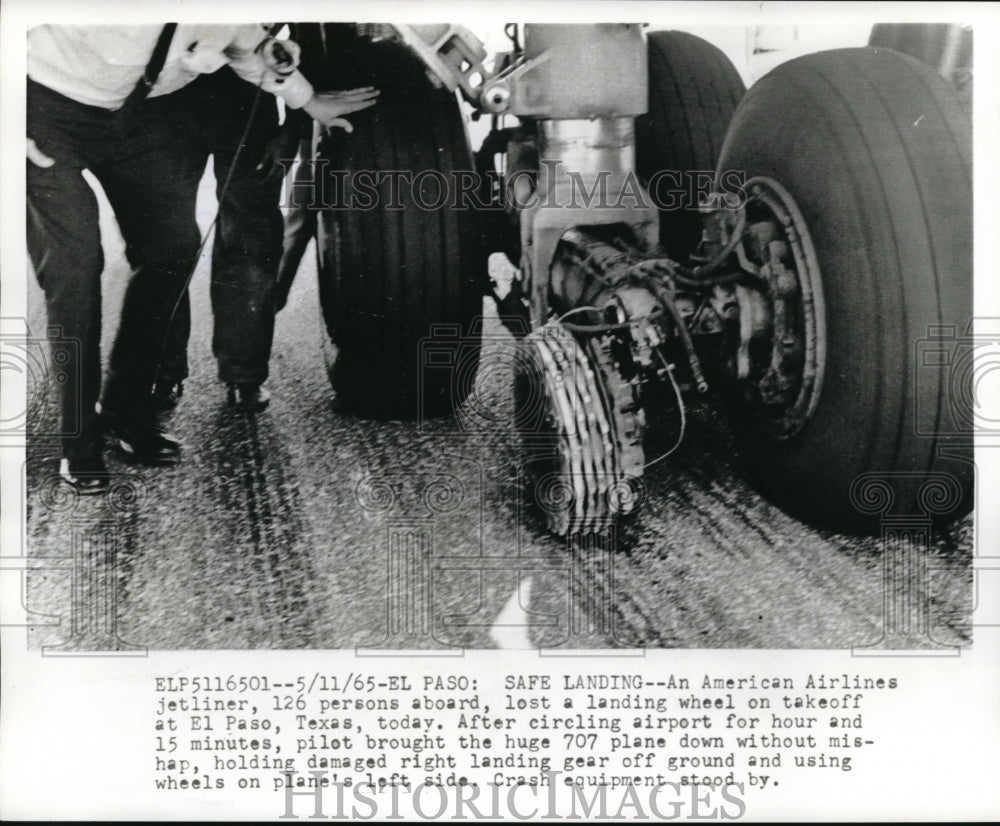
580 410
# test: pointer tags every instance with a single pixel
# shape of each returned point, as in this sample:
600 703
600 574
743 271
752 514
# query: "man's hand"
327 107
278 155
37 157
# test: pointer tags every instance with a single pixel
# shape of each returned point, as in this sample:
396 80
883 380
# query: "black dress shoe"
168 395
87 476
143 440
249 398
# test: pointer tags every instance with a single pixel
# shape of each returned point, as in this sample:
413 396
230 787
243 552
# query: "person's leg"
248 234
244 268
64 243
152 184
174 122
300 222
173 365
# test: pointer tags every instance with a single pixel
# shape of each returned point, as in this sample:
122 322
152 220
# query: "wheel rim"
787 366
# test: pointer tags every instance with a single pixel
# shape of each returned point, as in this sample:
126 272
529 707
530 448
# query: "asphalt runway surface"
307 527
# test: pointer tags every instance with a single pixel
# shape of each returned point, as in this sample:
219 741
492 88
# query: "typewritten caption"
349 744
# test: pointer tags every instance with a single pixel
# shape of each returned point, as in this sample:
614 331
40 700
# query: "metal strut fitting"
582 86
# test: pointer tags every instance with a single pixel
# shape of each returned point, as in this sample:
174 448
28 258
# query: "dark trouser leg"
174 364
244 269
153 192
300 221
64 241
247 241
171 126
